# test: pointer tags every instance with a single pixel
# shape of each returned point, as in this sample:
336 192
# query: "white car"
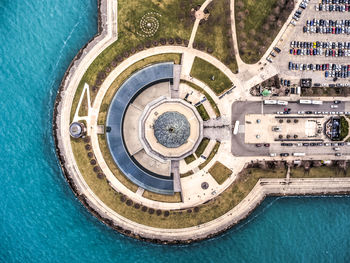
334 106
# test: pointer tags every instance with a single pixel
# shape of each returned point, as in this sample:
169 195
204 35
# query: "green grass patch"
216 35
257 25
83 111
326 91
175 21
344 128
186 174
319 172
211 156
219 172
190 159
174 18
203 112
209 98
202 146
205 72
112 165
176 198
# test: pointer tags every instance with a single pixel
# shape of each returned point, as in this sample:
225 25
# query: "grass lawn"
204 71
176 198
202 146
326 91
203 112
215 33
220 172
83 111
257 25
186 174
209 98
190 159
319 172
175 21
207 212
344 128
211 156
174 18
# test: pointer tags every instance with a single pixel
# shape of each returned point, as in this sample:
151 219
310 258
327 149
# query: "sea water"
41 220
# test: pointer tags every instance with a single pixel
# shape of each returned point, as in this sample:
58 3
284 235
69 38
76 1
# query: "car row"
297 14
319 67
299 144
333 7
319 44
315 112
319 52
335 2
285 82
343 73
327 29
328 22
260 145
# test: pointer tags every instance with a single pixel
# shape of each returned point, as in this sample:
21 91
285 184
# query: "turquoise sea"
40 219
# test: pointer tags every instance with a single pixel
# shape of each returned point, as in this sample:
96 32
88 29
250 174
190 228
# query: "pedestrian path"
196 23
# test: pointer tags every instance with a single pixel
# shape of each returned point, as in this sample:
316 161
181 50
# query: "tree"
266 27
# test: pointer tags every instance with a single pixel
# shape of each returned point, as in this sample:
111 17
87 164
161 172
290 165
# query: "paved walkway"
174 88
196 24
239 61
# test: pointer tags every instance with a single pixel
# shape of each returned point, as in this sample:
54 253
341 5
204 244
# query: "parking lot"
241 109
295 33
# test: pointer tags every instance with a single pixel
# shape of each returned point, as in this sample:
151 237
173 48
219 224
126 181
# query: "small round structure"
76 129
171 129
205 185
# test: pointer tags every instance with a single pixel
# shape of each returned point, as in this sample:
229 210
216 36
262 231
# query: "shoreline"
260 191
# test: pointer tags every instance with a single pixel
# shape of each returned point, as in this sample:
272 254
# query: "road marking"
262 107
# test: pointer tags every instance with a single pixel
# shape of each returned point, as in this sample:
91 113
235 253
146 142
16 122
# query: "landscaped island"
156 133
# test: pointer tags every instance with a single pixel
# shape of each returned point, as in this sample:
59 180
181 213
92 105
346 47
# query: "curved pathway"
239 61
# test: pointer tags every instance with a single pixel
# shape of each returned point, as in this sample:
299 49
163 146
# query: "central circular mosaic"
171 129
